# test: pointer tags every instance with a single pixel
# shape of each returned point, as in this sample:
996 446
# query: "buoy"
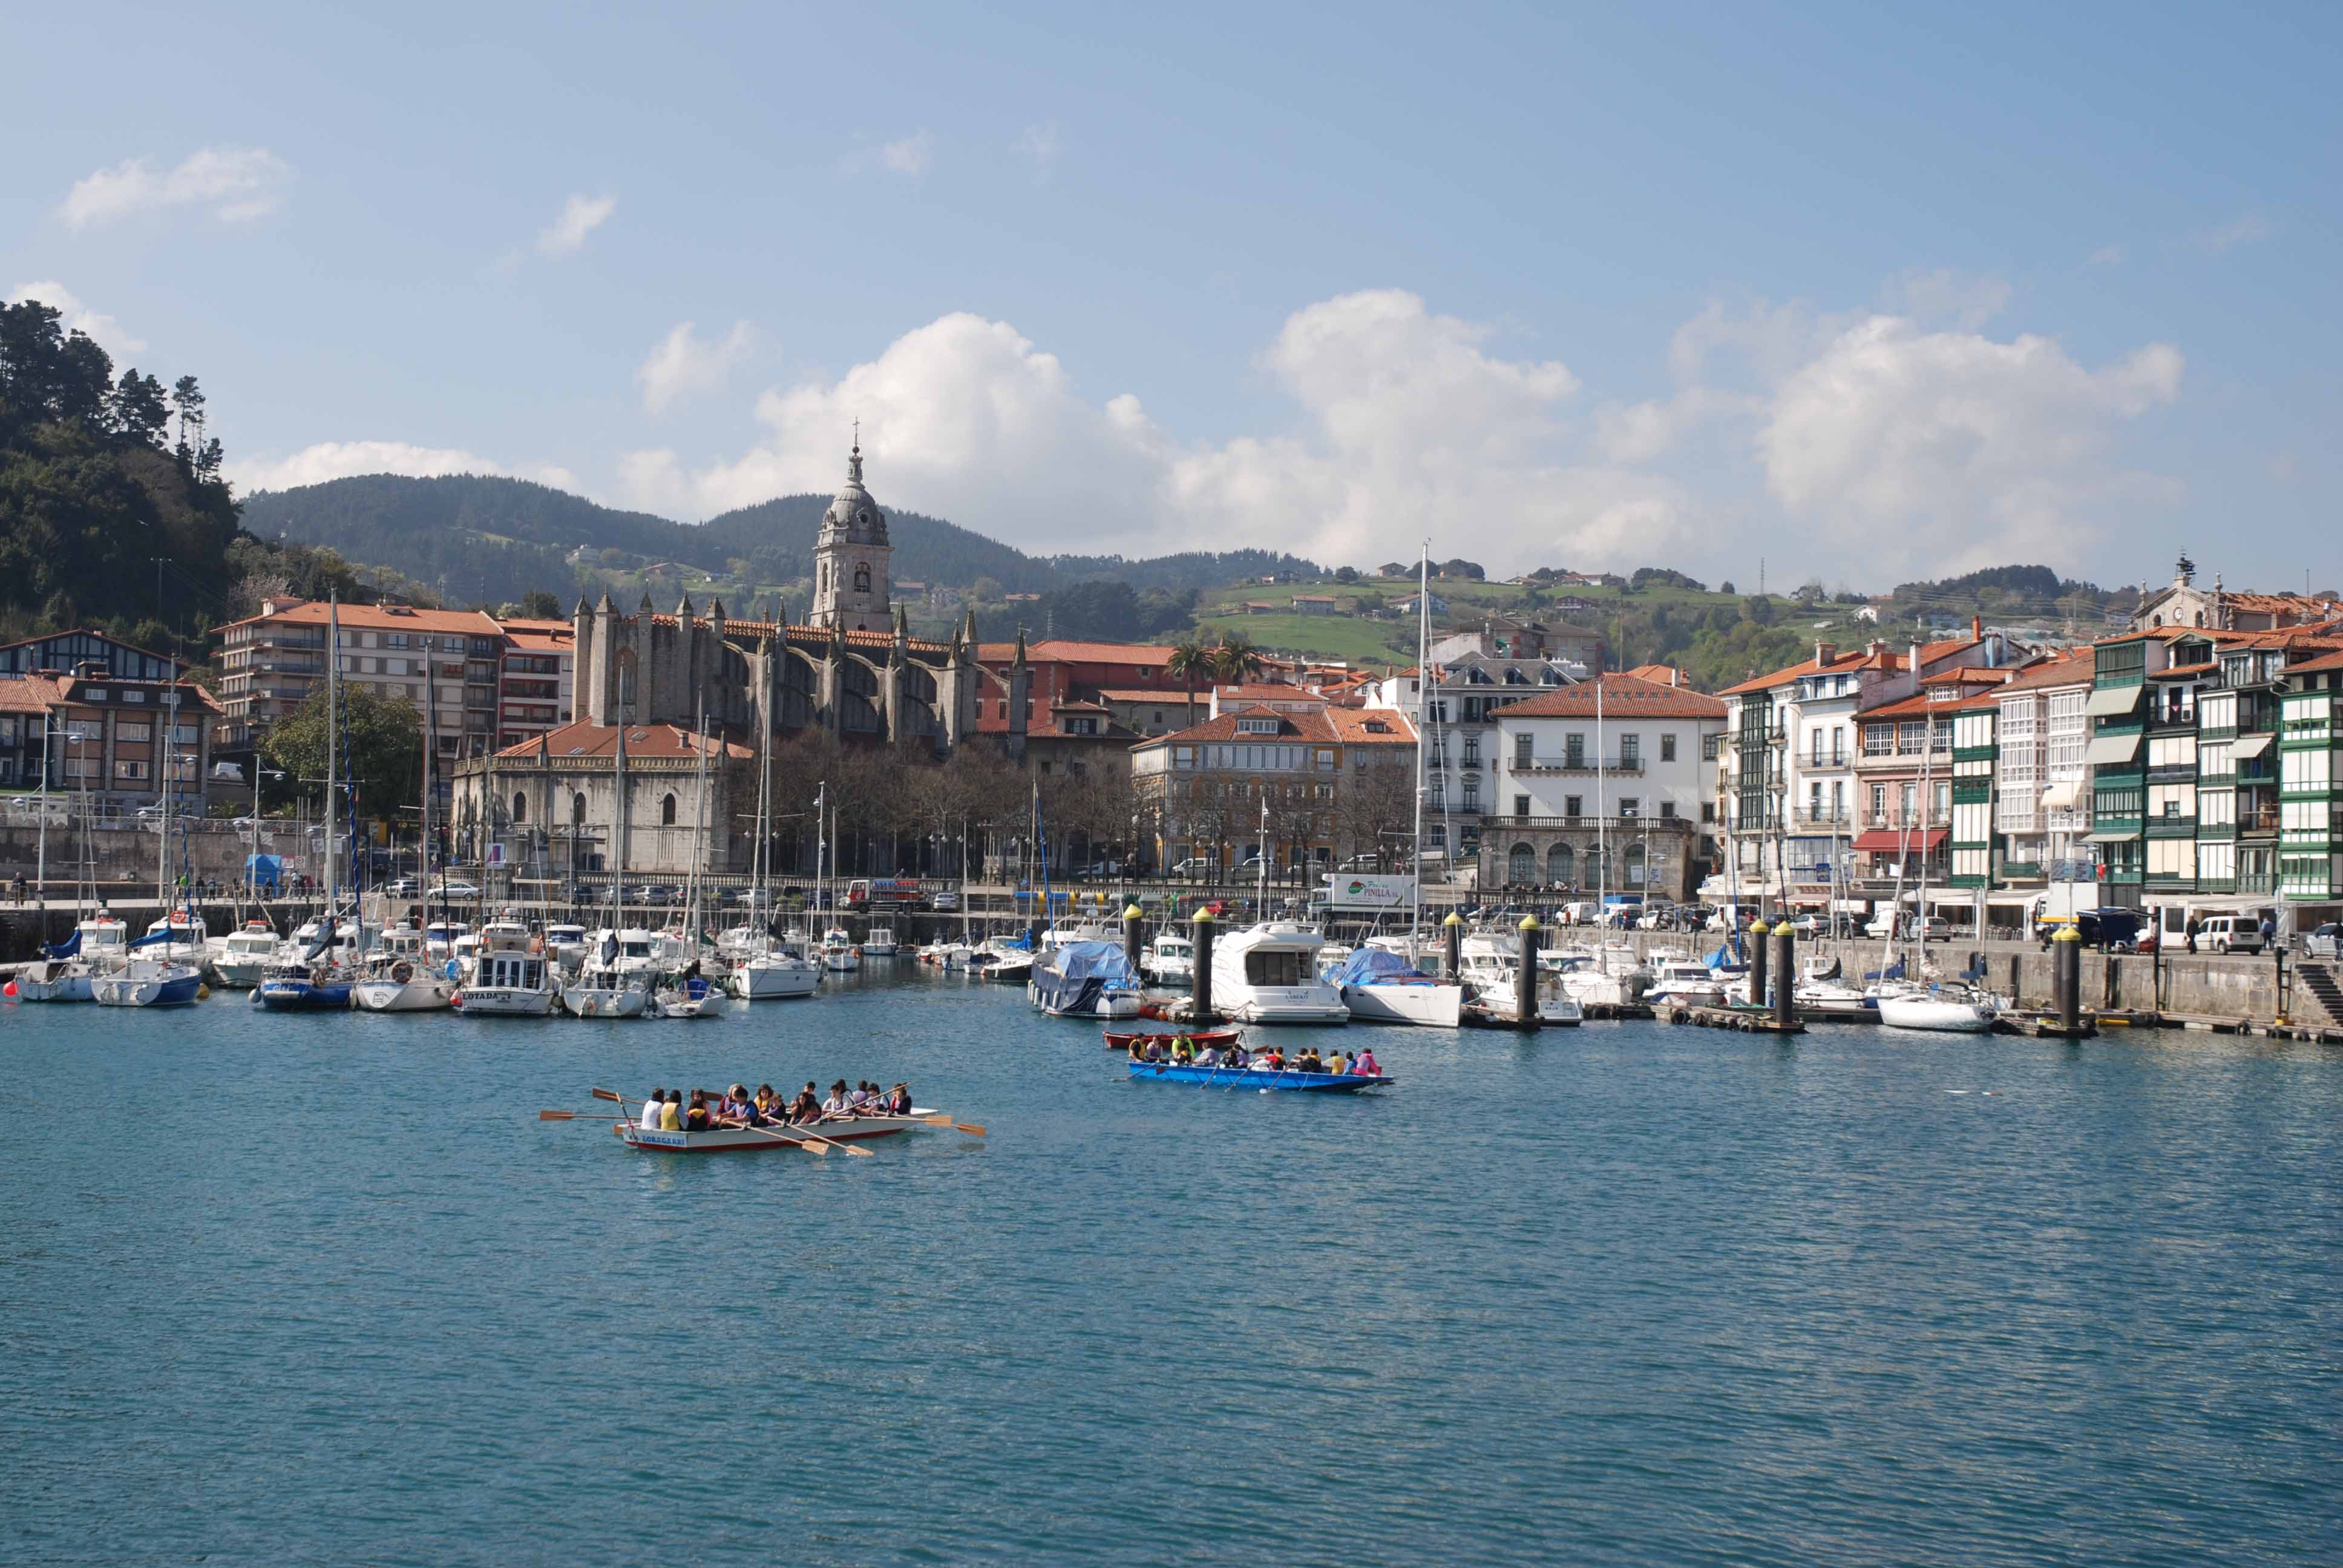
202 992
9 989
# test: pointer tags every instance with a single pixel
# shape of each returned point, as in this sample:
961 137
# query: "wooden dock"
1747 1020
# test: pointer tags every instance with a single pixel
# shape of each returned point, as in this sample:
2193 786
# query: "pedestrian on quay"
2189 932
2269 932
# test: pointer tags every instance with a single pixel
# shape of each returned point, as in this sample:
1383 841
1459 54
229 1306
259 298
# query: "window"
1878 740
1559 865
861 578
1521 805
1838 744
125 768
134 696
1630 806
1573 749
1523 753
666 810
1668 747
1635 858
1574 805
1521 866
1472 794
1668 810
1838 800
1631 749
1472 749
1878 802
133 731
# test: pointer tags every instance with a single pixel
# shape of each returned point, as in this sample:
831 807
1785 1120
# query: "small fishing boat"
97 946
879 943
399 978
148 982
301 985
1380 985
1261 1079
507 985
245 954
839 953
1118 1039
1170 958
732 1139
1685 983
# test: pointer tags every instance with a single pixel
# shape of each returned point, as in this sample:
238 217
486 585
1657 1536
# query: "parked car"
653 893
1102 869
1369 863
946 902
2322 942
1194 866
2114 928
403 888
455 891
1934 929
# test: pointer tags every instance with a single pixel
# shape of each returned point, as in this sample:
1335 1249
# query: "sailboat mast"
163 839
1602 836
619 835
333 702
1423 688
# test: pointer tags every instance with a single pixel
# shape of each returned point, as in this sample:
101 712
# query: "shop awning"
2111 750
2062 796
1889 840
2109 701
2111 837
2250 746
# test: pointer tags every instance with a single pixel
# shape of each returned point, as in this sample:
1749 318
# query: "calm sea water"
323 1289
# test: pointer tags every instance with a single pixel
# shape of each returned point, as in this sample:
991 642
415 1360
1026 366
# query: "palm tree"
1235 658
1189 658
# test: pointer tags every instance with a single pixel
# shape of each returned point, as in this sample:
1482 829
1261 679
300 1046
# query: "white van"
2229 934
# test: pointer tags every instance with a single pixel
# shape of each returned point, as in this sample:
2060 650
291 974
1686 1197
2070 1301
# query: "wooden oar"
943 1119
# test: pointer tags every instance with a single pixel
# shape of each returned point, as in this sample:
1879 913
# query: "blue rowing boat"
1247 1077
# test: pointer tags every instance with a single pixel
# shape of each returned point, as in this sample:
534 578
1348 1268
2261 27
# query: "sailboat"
171 976
1915 1002
313 975
613 979
683 991
1380 983
763 968
99 942
401 974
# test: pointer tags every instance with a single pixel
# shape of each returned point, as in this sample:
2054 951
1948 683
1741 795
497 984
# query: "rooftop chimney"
1824 652
1977 628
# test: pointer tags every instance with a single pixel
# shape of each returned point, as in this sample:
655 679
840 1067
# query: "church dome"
853 513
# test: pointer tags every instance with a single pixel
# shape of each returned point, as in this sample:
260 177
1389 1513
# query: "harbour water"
322 1289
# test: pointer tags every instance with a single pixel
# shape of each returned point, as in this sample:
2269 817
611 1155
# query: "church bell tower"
851 556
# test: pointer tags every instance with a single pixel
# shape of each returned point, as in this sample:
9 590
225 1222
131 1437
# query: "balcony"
1825 817
2165 718
1890 821
1630 766
1637 825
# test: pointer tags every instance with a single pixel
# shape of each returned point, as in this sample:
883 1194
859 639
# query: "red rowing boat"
1117 1040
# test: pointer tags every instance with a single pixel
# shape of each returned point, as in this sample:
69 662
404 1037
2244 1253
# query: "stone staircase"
2316 998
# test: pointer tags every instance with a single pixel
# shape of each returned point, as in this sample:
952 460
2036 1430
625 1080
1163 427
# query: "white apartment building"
1608 783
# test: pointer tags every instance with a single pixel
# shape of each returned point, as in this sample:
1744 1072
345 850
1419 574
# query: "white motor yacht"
881 943
769 968
1380 984
565 944
614 981
1490 976
1685 982
839 953
1946 1008
186 943
1268 973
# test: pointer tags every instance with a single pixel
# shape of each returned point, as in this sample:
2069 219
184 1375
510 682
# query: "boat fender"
402 971
455 970
456 1000
202 992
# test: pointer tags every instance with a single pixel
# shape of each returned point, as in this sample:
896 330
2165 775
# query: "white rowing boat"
725 1140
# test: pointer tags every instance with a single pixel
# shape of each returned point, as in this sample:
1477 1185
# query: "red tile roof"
1315 727
649 742
1624 696
1840 664
2070 668
376 618
1666 673
28 693
1356 726
1067 651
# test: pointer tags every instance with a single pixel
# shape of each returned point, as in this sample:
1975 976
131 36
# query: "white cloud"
913 155
581 216
1948 297
340 460
680 363
2246 228
104 330
1040 145
235 184
1897 443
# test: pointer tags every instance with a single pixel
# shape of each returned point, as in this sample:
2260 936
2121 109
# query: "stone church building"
661 678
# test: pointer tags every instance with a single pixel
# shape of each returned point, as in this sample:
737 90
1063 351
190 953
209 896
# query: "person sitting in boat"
1311 1062
769 1104
1183 1053
1209 1056
1239 1056
695 1119
805 1107
1268 1061
1366 1065
652 1110
671 1113
899 1102
836 1104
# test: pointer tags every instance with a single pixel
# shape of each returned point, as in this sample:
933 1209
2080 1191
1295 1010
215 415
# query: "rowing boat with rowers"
723 1139
1263 1079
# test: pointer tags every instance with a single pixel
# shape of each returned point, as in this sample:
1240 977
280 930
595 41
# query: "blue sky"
1864 295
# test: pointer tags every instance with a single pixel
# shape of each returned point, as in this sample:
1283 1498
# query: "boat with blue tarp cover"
1380 985
1085 979
1261 1078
